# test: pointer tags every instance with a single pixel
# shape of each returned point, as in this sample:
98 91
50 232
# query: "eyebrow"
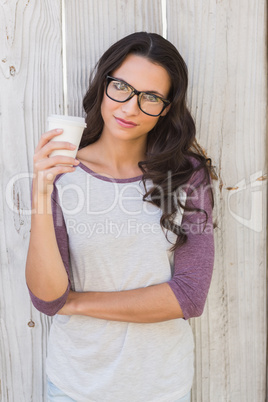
151 92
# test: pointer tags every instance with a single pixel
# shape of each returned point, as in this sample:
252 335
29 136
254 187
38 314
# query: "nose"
131 106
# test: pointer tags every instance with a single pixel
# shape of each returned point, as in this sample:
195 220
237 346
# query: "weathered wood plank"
31 87
223 43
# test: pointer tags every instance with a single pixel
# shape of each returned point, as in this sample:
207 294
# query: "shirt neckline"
109 179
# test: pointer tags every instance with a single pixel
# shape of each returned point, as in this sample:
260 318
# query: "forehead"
143 74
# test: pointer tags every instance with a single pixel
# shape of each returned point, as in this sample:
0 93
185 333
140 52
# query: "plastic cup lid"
72 120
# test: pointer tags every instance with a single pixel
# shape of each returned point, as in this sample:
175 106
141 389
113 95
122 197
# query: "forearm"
144 305
45 272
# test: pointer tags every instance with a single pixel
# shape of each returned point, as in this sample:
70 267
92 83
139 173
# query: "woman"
126 258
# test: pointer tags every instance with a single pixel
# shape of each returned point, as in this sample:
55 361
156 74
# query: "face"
126 121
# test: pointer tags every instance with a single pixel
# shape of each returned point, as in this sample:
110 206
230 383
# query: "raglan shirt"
111 240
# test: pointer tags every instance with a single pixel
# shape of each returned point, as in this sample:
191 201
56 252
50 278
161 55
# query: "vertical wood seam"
164 18
64 58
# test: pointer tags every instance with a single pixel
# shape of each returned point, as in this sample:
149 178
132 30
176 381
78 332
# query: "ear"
165 111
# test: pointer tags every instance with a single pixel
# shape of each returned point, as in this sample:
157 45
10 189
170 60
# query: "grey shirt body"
111 240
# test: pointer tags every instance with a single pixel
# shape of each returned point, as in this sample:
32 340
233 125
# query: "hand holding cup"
46 168
73 128
56 151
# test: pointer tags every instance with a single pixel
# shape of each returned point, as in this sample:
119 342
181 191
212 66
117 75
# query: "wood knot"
12 71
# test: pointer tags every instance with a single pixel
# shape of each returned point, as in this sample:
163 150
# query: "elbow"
43 308
49 308
193 310
198 311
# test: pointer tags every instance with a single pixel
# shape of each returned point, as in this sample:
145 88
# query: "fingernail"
59 130
76 162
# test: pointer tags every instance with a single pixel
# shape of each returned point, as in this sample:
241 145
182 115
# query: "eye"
120 86
151 98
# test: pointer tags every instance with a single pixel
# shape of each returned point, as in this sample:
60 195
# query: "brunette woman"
126 256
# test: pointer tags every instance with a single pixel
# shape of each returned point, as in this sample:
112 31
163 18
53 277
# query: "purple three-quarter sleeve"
193 262
52 307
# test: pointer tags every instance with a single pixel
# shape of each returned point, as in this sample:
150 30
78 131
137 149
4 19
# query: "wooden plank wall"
223 43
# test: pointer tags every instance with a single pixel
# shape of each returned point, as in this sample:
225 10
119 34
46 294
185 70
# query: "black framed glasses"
121 91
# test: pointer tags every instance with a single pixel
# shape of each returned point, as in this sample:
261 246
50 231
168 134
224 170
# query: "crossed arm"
144 305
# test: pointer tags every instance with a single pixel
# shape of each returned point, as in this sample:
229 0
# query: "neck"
121 156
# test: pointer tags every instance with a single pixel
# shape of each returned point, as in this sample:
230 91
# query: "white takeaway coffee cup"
72 127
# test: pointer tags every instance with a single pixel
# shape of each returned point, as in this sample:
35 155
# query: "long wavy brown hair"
171 144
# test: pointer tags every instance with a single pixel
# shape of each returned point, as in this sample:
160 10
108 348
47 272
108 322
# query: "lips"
125 123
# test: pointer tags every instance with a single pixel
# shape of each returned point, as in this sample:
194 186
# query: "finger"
53 145
47 136
48 163
62 159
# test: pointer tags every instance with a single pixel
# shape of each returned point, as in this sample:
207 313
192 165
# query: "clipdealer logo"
250 215
109 227
253 193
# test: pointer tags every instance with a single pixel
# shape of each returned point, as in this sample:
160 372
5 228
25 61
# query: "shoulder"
199 186
194 160
200 169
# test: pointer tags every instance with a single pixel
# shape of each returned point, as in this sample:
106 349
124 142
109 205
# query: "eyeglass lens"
121 92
